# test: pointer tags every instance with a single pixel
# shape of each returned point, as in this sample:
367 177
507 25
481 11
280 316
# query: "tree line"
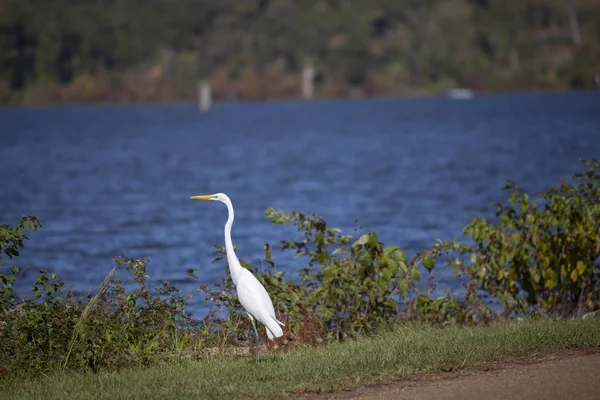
126 50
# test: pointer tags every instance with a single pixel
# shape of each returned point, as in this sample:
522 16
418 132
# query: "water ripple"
109 180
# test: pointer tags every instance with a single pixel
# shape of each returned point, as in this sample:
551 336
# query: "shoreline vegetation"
529 275
384 358
68 52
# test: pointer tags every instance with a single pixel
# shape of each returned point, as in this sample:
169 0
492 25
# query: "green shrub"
469 306
31 328
136 325
118 326
11 240
546 258
348 287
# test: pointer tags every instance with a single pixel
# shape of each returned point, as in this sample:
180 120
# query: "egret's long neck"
232 260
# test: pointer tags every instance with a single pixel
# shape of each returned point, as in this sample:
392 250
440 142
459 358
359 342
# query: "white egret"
251 293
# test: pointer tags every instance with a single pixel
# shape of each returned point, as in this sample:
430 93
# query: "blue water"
107 180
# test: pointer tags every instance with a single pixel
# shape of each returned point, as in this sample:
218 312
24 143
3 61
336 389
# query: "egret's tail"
273 329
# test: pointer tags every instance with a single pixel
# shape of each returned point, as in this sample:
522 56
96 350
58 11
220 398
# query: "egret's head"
222 197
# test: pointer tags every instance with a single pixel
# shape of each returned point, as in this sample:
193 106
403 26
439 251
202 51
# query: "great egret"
251 293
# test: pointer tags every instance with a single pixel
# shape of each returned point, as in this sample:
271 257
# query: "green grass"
404 351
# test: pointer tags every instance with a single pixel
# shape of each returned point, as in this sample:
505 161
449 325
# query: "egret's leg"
256 335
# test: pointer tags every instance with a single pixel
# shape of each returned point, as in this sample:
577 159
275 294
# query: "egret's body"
251 293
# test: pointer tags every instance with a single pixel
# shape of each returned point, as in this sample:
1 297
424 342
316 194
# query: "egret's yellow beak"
203 197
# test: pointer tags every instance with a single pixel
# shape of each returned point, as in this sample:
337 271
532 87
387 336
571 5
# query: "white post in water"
308 76
204 96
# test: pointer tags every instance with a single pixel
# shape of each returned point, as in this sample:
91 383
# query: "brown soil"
567 375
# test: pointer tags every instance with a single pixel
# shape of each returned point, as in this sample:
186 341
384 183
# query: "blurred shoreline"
126 52
54 94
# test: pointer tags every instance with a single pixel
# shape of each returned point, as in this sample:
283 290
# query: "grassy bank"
401 352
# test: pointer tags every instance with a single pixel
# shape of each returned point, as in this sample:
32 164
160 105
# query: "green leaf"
400 256
403 285
524 206
390 271
390 249
294 297
319 239
415 274
338 251
403 267
323 257
373 240
267 249
574 275
362 240
427 263
580 267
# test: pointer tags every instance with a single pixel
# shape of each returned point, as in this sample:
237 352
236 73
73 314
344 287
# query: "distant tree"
418 43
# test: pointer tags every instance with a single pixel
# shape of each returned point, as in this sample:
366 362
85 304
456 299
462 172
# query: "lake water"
107 180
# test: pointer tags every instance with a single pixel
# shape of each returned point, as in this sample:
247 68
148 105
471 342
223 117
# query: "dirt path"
571 376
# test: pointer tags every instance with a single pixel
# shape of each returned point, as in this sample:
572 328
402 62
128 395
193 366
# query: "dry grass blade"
86 311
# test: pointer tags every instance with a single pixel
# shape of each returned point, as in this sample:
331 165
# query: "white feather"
256 301
251 293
